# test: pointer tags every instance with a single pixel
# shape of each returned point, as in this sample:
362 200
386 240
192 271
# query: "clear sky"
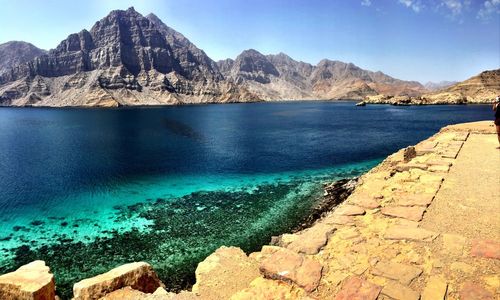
424 40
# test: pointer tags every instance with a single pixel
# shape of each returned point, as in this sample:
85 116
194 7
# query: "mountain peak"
17 52
154 18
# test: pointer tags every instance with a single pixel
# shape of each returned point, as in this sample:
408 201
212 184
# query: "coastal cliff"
423 224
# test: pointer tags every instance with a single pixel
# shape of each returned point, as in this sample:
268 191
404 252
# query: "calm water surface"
89 189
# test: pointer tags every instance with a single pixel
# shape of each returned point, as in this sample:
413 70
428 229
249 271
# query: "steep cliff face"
15 53
271 77
125 59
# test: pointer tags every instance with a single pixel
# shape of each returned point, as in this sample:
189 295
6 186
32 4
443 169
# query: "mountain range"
130 59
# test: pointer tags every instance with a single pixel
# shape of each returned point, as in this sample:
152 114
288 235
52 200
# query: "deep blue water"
171 184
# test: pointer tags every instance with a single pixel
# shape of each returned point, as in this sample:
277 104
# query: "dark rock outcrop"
17 52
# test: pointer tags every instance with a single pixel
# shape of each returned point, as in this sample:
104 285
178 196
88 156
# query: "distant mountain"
130 59
482 88
436 86
17 52
280 77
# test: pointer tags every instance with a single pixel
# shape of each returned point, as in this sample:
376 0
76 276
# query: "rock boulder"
32 281
139 276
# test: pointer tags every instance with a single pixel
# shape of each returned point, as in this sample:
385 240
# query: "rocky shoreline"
380 243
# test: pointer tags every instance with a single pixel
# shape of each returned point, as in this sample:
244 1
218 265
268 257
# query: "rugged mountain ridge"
482 88
17 52
125 59
281 77
130 59
438 86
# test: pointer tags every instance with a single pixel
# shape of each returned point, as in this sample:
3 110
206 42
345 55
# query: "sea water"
89 189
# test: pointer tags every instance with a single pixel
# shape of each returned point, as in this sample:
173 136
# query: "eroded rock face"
138 275
32 281
124 51
225 272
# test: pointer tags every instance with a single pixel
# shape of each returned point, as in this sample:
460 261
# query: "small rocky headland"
423 224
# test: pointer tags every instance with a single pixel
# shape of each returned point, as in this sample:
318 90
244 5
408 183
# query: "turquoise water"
87 190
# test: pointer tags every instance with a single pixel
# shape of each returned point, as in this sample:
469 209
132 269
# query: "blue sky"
421 40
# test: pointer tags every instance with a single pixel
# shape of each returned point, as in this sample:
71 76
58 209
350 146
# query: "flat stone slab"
461 136
409 166
410 199
357 288
412 213
224 272
474 291
32 281
364 201
289 266
486 248
138 275
349 210
441 169
396 271
339 220
347 233
409 233
435 288
397 291
312 240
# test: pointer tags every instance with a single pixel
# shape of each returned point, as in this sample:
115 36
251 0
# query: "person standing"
496 108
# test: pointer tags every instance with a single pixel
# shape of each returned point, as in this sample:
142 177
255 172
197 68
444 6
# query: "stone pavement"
424 224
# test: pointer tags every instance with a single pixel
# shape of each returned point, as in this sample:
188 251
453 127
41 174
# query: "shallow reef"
181 232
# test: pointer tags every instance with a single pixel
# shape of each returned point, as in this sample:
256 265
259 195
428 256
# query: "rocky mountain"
280 77
437 86
125 59
130 59
17 52
482 88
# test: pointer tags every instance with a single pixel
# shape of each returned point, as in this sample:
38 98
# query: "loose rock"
32 281
138 275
